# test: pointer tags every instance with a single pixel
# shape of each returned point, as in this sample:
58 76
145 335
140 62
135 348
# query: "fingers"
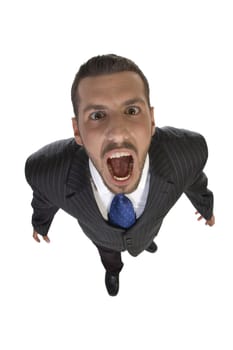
211 221
208 223
46 239
36 237
200 217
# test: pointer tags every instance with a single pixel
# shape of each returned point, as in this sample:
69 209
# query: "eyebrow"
125 103
133 101
93 107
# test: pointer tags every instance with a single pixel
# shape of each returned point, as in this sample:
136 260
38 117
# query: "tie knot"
121 211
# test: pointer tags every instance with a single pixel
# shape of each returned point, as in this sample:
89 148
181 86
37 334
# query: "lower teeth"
121 178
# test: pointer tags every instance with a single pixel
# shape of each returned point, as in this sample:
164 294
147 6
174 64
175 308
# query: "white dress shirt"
104 196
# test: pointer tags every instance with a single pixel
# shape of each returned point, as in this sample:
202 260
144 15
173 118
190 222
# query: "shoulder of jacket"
176 134
181 148
50 156
170 136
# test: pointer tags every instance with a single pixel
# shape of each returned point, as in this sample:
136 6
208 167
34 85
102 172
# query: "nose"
118 129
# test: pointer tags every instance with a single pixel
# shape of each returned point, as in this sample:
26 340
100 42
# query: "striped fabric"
60 179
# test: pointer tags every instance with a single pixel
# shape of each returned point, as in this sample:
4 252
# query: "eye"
97 115
132 110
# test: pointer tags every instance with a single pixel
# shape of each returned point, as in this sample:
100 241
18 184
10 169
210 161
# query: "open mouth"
120 165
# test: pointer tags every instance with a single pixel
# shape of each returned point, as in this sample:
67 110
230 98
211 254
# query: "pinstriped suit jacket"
60 178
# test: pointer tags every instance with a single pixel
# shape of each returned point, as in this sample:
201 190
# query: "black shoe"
112 283
152 248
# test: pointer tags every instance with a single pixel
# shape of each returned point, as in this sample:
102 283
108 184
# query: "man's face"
115 126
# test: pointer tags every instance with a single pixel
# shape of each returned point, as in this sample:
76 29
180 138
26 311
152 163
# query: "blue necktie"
121 212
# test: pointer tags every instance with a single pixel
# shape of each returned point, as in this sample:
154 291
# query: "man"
120 174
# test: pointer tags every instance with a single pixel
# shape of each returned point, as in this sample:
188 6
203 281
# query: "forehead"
123 85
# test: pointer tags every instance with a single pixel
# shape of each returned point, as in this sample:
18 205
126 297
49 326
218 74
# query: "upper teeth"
119 155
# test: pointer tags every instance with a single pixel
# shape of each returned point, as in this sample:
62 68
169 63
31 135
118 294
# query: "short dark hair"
105 64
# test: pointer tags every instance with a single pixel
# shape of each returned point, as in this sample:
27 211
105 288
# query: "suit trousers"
111 260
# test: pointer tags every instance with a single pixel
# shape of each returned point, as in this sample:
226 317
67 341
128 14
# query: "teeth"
122 178
119 155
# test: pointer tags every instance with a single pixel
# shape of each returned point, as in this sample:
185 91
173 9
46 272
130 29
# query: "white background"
53 296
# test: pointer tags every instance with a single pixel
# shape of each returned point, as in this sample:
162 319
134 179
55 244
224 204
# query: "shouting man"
120 174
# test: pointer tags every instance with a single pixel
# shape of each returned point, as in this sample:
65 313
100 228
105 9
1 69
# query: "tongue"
120 166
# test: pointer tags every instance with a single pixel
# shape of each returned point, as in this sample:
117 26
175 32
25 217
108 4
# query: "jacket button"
129 240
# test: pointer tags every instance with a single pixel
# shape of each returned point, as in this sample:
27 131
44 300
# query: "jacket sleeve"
43 213
196 190
43 210
200 196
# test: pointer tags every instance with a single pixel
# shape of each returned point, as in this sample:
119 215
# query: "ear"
77 135
152 121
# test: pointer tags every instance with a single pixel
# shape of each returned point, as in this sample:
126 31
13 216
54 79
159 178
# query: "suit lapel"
161 183
78 184
79 194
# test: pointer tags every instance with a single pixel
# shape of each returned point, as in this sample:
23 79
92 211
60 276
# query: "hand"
209 222
36 237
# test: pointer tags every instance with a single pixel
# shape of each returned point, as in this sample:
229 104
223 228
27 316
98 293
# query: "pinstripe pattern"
60 178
